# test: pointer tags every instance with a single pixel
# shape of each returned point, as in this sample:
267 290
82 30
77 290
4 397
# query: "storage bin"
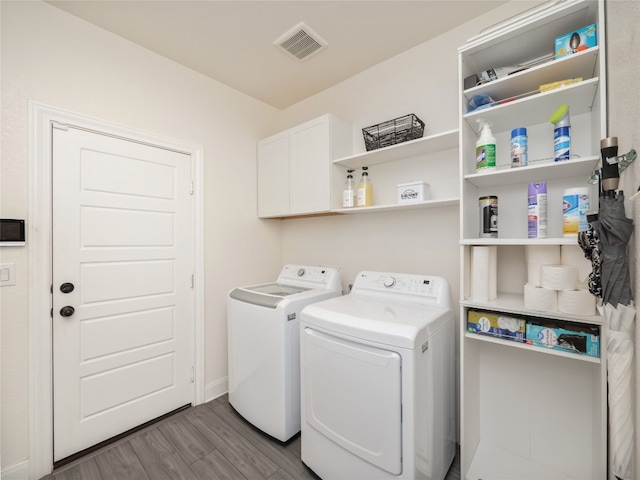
412 192
394 131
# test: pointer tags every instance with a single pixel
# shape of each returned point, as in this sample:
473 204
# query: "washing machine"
378 380
264 345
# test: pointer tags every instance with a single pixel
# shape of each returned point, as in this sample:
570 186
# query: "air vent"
300 42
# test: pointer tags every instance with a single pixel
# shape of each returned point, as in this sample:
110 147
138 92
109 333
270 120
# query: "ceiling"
232 41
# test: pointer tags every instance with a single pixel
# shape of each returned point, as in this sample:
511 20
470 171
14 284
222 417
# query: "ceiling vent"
300 42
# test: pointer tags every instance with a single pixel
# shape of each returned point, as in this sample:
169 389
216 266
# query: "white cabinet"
294 167
431 159
529 412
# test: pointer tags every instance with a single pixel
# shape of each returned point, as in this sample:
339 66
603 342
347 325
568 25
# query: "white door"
123 237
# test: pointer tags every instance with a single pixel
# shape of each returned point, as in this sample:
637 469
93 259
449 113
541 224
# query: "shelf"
514 303
508 176
494 463
537 108
520 241
410 206
532 348
420 146
583 64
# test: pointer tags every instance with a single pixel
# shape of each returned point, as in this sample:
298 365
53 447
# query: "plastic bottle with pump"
485 147
349 192
365 190
561 133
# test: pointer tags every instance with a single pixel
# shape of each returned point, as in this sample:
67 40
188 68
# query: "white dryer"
263 325
378 380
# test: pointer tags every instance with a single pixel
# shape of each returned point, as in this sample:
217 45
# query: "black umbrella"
613 230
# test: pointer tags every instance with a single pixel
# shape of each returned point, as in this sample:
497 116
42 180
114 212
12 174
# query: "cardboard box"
495 325
572 337
576 41
412 192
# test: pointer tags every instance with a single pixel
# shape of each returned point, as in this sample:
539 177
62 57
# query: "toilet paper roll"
484 267
558 277
533 274
543 254
542 299
576 302
574 255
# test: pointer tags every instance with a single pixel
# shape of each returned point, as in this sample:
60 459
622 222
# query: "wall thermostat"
12 232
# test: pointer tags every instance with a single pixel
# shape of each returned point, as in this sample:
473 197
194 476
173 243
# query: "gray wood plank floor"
207 442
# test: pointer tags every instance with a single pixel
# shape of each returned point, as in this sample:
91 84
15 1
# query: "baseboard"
215 389
17 472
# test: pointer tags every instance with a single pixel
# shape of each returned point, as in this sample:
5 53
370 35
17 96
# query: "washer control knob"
389 282
301 272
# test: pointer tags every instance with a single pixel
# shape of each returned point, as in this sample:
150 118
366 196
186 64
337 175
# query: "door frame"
39 242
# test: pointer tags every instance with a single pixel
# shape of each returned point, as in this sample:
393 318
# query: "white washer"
378 380
264 345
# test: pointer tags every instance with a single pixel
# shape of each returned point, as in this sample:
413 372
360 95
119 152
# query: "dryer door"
353 396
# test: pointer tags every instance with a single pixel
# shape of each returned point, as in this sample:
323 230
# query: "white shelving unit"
431 158
529 412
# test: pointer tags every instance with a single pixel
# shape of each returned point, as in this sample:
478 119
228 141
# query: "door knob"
67 311
67 287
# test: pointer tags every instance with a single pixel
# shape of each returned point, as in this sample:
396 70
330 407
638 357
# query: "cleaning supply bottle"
485 147
349 192
561 134
365 190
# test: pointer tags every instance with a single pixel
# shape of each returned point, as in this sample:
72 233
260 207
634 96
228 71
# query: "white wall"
54 58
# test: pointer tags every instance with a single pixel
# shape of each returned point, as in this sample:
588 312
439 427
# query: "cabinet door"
310 165
273 176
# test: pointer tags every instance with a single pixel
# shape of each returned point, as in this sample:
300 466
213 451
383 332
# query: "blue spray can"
561 133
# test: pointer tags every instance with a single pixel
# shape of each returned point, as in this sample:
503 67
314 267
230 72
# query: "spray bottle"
349 192
561 133
485 147
365 190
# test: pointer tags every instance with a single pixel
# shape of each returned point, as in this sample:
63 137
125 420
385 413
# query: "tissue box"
583 39
573 337
412 192
494 325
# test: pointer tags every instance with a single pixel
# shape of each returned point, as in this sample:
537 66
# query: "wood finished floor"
207 442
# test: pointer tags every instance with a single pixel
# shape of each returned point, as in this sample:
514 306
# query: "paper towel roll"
543 299
574 255
576 302
543 254
559 277
484 267
533 274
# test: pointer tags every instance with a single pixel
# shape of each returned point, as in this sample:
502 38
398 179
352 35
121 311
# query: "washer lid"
385 322
266 295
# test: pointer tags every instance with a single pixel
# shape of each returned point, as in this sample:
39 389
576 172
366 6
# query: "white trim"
17 472
39 225
217 388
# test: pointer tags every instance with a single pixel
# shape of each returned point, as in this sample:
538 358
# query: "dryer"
378 380
264 345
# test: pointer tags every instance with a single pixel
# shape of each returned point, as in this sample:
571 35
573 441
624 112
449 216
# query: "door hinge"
193 188
193 375
193 281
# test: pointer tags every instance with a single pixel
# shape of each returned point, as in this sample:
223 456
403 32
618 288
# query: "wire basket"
394 131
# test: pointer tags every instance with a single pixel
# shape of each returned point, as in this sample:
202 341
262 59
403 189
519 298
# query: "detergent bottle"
349 192
365 190
485 147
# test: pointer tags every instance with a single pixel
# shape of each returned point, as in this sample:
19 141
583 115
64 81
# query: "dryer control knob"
389 282
301 272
